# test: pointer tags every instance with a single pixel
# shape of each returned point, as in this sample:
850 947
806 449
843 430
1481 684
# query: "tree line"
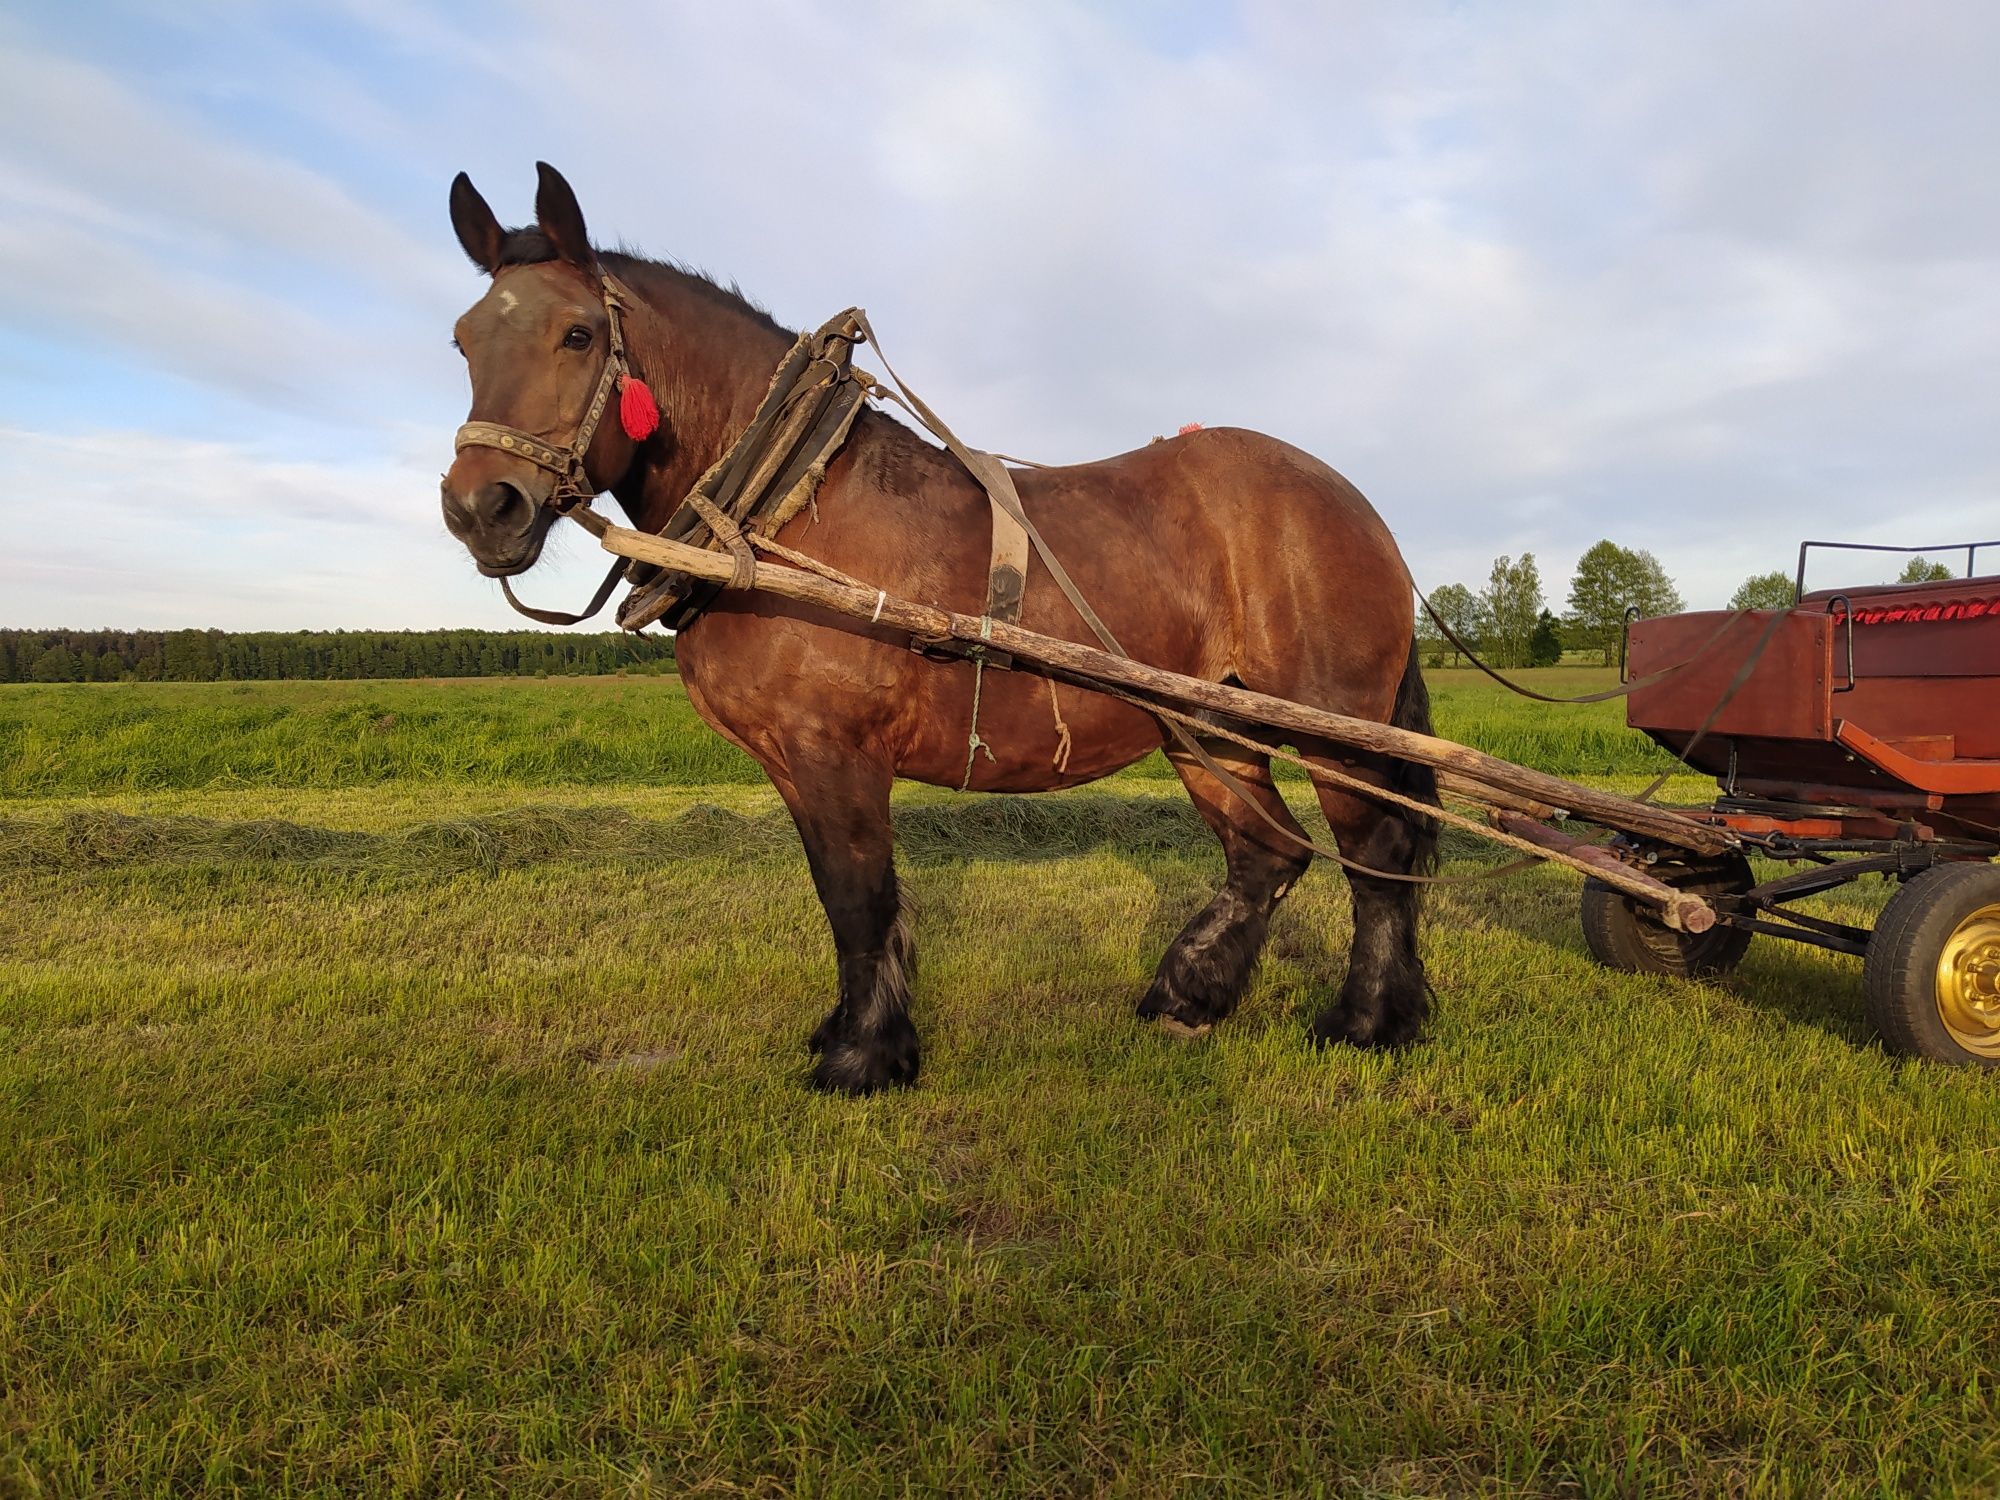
223 656
1509 623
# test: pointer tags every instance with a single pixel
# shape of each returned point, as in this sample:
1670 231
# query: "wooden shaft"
1451 784
1471 769
1688 913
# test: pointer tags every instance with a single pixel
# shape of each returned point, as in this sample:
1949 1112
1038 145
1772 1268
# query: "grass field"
401 1091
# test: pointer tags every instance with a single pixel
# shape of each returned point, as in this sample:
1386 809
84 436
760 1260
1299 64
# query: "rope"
1350 783
973 743
1624 689
813 565
1062 729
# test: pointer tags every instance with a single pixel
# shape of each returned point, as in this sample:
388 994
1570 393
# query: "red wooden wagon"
1858 734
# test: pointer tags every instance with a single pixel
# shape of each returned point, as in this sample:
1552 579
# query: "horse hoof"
860 1068
1338 1029
1178 1014
1334 1028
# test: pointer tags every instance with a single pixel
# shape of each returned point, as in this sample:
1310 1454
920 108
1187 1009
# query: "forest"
265 655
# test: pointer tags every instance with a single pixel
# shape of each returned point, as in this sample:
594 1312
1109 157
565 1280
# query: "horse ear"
478 230
561 219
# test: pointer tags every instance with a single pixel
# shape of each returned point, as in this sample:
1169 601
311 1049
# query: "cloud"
115 157
126 528
1701 278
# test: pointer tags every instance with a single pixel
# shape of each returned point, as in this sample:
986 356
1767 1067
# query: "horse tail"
1413 711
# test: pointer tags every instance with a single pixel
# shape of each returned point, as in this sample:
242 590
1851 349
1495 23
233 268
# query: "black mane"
528 246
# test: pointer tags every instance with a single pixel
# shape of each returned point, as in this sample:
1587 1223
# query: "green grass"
411 1130
84 739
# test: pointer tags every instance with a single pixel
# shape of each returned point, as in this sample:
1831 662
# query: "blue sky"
1703 278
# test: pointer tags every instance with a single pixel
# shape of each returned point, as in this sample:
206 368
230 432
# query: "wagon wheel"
1625 934
1933 972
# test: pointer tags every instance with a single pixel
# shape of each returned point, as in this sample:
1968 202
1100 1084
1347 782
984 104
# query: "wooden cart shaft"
1471 773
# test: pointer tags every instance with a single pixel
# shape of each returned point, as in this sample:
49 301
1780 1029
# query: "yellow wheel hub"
1968 983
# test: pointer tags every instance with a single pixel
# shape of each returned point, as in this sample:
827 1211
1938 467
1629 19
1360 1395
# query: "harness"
769 474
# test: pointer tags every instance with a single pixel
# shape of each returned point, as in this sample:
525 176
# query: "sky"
1703 278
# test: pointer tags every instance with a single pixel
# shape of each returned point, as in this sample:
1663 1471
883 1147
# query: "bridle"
573 486
573 491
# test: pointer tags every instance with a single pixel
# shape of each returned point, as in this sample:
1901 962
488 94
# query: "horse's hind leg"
840 801
1386 998
1206 970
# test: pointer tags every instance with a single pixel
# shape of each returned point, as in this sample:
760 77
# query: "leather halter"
572 486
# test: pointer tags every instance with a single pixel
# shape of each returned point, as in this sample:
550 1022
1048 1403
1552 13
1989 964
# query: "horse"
1221 553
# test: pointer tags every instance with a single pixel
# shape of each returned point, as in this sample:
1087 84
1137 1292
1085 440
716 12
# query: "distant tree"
1922 570
190 657
270 655
57 664
1597 596
1461 609
1609 580
1545 647
1763 591
1513 605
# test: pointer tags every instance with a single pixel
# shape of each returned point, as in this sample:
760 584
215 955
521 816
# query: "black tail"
1413 711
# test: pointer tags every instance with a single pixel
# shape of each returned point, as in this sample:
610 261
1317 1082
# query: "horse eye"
577 338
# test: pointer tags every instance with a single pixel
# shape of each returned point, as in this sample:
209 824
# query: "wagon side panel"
1783 708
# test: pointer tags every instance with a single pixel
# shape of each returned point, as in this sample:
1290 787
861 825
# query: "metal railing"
1970 549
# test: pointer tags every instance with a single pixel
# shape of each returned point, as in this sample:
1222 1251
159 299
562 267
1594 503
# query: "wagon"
1853 735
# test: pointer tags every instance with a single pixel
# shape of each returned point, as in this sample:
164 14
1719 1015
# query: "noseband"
573 486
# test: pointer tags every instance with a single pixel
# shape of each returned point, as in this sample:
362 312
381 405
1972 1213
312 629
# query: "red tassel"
638 412
1187 427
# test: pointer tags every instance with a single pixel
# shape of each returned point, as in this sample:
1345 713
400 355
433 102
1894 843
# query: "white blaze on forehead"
508 301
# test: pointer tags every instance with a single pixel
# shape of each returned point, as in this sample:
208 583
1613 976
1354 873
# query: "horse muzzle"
499 523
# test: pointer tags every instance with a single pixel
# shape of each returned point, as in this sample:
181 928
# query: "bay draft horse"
1223 553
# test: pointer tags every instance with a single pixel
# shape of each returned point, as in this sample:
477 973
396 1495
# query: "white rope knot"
973 743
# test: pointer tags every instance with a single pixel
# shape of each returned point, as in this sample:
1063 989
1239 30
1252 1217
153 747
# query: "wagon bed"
1881 699
1855 734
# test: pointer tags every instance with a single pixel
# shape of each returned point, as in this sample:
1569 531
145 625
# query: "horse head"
544 351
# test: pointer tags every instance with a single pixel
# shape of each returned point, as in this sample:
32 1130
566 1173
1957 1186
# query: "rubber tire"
1623 934
1901 970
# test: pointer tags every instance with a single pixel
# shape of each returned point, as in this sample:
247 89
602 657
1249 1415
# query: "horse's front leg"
839 798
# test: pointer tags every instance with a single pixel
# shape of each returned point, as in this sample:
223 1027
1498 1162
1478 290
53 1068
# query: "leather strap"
999 486
511 440
730 535
562 617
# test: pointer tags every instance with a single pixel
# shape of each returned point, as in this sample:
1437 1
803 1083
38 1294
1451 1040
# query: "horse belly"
1006 731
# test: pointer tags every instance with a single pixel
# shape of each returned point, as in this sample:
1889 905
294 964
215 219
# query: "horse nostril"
499 504
456 515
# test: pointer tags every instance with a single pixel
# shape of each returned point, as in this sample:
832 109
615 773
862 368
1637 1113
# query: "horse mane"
528 246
